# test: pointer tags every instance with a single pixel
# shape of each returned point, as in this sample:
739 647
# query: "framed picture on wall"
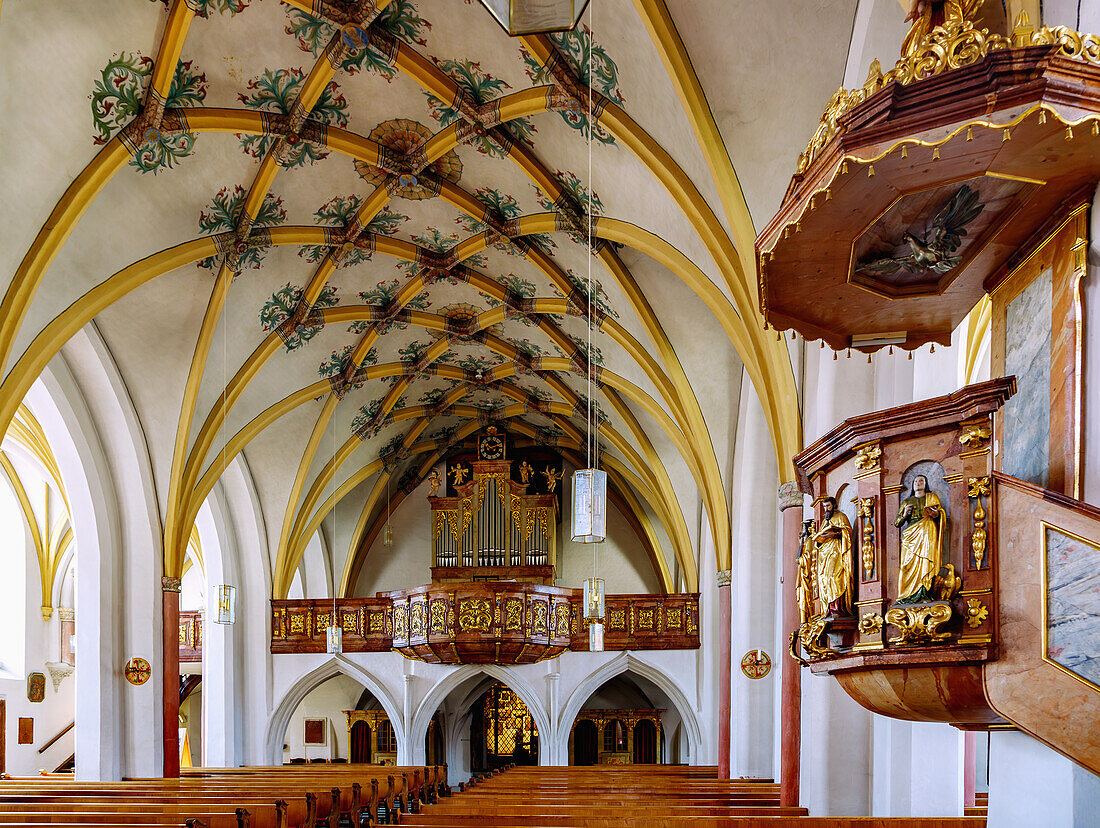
316 731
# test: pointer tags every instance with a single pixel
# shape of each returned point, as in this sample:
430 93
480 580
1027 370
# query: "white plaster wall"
755 572
328 701
1030 784
37 641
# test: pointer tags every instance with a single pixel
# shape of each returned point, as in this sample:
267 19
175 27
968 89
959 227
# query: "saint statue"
459 474
804 586
922 521
525 470
928 14
434 482
833 550
552 479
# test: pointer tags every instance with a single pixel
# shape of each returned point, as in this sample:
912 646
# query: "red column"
790 504
725 666
170 592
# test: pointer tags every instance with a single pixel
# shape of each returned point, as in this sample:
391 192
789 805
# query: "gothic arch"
334 666
442 689
627 662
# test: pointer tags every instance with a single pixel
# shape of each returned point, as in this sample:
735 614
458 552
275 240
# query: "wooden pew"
229 798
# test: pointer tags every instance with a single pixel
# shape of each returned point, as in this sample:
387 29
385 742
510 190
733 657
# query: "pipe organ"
493 597
495 527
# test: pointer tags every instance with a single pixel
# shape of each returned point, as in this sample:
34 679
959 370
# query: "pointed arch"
337 665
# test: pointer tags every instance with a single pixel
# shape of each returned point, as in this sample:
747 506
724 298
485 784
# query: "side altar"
493 598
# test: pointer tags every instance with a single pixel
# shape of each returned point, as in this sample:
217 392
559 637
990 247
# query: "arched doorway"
360 743
628 715
434 748
645 742
586 743
502 730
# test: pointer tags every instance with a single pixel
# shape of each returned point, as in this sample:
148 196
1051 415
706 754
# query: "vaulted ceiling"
340 237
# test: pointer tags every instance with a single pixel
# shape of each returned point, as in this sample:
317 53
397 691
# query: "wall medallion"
756 664
137 671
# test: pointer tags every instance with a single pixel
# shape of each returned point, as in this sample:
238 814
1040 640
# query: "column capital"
170 584
725 577
789 496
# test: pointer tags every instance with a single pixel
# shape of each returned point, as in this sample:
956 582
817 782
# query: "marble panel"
1073 604
1026 452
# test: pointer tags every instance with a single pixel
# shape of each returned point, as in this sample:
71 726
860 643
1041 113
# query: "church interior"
550 413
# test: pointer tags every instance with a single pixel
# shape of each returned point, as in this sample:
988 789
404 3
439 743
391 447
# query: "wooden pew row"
252 797
635 798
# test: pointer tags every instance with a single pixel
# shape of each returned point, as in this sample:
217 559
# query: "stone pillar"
790 507
413 748
170 603
725 667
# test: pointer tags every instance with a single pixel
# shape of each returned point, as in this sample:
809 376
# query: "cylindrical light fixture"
593 599
227 604
524 17
594 612
595 637
334 639
589 506
387 534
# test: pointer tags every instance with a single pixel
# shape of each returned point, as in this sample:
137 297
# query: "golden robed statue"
804 589
922 521
833 544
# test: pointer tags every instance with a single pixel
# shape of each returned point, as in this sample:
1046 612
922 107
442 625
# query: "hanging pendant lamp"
525 17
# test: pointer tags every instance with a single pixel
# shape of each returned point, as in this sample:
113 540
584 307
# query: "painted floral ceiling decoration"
345 235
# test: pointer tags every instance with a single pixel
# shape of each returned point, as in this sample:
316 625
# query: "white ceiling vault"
341 236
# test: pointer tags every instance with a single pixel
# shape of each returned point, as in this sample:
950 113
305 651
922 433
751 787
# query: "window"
387 739
508 723
614 737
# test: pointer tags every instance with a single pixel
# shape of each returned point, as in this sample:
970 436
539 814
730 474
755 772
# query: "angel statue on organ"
525 470
434 482
833 550
552 479
928 14
458 473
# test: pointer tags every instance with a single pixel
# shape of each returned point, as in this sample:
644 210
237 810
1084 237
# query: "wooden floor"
341 796
653 796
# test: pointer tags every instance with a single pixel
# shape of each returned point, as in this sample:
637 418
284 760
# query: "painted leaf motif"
400 18
276 91
338 212
595 68
117 98
224 211
481 88
282 305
